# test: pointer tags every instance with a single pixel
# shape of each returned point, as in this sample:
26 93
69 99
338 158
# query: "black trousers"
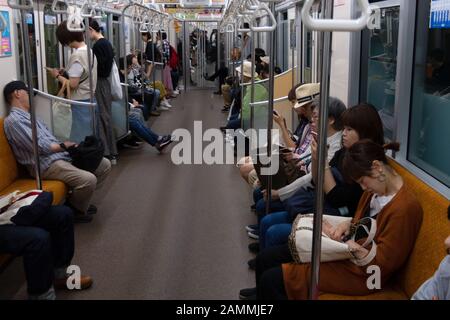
269 276
46 246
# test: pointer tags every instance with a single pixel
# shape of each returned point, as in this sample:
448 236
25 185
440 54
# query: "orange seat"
429 249
10 180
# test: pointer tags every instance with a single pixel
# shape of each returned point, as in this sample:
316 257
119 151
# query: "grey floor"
163 231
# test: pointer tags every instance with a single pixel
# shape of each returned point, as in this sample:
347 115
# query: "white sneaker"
162 108
176 92
166 104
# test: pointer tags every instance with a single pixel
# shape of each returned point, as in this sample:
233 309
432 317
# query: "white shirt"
378 203
76 69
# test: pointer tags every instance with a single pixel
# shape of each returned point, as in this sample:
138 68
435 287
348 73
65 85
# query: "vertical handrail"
90 56
322 150
29 78
270 106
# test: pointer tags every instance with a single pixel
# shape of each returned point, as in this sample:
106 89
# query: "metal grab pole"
299 43
252 87
270 109
28 72
320 168
91 81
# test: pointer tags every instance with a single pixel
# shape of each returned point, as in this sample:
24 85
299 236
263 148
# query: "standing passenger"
78 71
104 53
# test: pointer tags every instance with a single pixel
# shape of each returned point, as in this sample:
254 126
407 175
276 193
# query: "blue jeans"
141 130
46 246
82 122
270 236
155 93
234 122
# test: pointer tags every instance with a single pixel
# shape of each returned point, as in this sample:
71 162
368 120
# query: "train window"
51 46
379 67
308 57
32 40
429 146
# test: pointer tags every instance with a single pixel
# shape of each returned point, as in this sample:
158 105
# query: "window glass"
51 47
429 143
32 40
379 67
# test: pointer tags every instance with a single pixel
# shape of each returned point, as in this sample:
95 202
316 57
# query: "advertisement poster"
440 14
5 37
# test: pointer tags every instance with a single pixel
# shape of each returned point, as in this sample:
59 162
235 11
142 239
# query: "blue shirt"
17 128
437 286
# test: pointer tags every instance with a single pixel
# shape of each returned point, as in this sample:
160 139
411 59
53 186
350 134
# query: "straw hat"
265 59
247 70
306 93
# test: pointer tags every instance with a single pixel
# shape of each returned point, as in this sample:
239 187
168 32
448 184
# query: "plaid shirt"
166 52
303 145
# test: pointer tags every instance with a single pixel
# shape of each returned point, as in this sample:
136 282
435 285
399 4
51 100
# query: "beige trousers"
82 183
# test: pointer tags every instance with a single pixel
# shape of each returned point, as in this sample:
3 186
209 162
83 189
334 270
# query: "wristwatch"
63 146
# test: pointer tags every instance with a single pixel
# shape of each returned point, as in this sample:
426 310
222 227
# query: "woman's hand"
359 252
290 156
135 103
54 72
274 195
340 231
278 119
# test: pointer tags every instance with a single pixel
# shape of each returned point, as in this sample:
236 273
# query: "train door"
378 73
283 52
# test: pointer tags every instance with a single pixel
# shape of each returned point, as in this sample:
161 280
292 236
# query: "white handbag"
114 80
62 114
300 240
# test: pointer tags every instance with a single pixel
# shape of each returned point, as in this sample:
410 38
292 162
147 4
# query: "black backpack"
88 154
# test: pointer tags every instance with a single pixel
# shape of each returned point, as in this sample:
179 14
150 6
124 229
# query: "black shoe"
252 264
253 207
92 209
247 294
218 92
254 247
225 109
131 144
164 142
82 218
223 129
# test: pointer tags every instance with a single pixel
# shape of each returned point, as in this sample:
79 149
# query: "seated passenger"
387 199
138 127
438 286
301 96
341 196
47 248
55 162
136 88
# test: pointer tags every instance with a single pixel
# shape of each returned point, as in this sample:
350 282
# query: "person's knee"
273 236
40 242
64 215
261 206
89 181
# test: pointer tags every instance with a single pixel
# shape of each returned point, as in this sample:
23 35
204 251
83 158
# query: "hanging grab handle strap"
74 19
14 5
265 8
336 24
240 20
55 6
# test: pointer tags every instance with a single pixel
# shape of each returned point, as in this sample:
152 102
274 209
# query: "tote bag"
300 240
114 80
62 114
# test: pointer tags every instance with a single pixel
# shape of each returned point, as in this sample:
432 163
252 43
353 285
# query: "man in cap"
55 162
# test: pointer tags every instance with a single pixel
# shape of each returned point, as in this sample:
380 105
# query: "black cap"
13 86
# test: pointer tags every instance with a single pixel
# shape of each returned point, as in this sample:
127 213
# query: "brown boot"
85 283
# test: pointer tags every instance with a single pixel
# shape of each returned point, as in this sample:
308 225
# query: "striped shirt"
17 128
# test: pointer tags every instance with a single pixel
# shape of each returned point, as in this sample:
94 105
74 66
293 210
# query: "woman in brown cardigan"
398 215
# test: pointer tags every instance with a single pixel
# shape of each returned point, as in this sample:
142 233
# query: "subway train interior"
225 150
